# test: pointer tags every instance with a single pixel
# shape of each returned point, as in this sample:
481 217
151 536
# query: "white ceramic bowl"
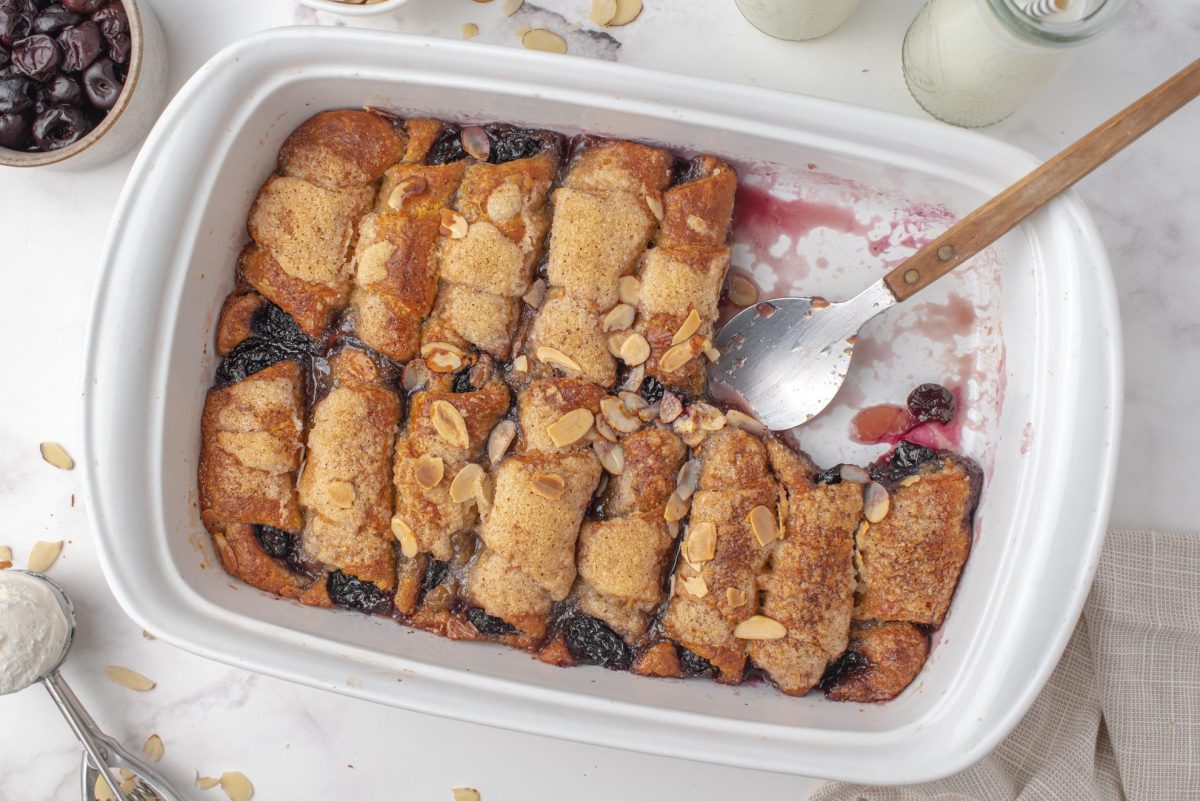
355 9
135 112
1049 448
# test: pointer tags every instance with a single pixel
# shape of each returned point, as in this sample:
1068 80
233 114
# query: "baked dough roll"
490 244
808 583
604 215
682 275
918 515
346 487
730 532
304 220
881 660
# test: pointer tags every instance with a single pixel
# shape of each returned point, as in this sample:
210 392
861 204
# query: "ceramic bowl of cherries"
69 70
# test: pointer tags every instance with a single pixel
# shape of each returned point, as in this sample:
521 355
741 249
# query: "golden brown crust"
544 401
653 457
808 584
615 165
909 563
424 187
480 410
887 657
422 133
243 557
312 306
571 328
660 660
250 450
237 314
698 213
339 149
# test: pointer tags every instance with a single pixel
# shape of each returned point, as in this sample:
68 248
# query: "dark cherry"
81 45
843 667
831 476
686 170
354 593
5 58
37 56
16 21
435 574
273 323
447 147
112 20
488 624
692 664
15 131
932 402
509 143
274 542
902 462
9 71
55 19
592 641
119 48
249 357
59 126
462 382
83 6
652 389
61 90
14 94
101 84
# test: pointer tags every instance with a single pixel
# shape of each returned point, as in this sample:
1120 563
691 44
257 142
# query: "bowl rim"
352 9
37 158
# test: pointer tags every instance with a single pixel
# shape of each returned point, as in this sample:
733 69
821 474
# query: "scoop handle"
1006 210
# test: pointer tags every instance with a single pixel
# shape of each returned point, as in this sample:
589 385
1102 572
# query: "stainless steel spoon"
103 756
784 359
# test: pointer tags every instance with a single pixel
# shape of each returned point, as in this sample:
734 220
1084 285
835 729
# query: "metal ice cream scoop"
103 756
785 359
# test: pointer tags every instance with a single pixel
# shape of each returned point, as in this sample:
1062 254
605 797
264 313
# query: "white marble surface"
301 743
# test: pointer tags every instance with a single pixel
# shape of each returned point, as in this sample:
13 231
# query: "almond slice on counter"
206 782
465 794
236 786
469 30
603 11
153 748
467 483
449 423
760 627
549 485
544 40
5 557
691 325
43 555
129 679
56 455
511 7
571 427
876 502
627 12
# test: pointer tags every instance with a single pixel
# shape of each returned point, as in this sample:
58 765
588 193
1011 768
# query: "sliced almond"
708 417
676 357
415 376
442 357
615 340
469 30
603 11
549 485
635 349
618 416
406 537
571 427
734 597
670 407
476 142
206 782
854 474
453 225
341 494
739 419
430 348
604 429
5 557
762 522
511 7
760 627
43 555
654 202
500 439
153 748
536 293
687 479
634 378
102 791
556 358
701 542
691 324
908 481
876 502
410 187
236 786
742 291
468 793
619 318
429 471
712 354
676 509
629 289
56 455
449 423
129 679
861 530
627 11
544 40
695 586
648 412
612 456
466 483
632 400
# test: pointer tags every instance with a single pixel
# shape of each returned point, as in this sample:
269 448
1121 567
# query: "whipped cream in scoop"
33 630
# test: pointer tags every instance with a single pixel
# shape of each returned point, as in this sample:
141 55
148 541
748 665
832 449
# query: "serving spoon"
784 359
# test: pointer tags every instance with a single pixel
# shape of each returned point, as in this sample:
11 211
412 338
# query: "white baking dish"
1050 445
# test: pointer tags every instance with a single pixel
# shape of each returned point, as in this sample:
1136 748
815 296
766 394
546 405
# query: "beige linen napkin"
1120 716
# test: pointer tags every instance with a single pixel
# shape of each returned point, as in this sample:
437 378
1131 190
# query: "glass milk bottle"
797 19
975 62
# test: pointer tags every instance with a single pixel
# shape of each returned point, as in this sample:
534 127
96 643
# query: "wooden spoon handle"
1005 211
